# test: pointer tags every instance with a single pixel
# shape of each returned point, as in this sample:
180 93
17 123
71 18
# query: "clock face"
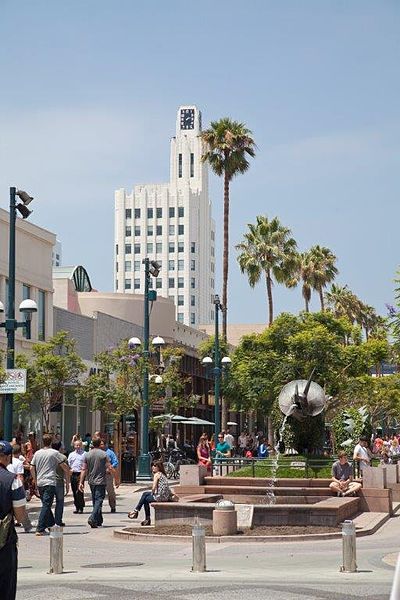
187 118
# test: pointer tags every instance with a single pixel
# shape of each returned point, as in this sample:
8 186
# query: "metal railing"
307 467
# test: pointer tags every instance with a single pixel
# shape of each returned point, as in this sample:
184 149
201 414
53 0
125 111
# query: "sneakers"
134 514
40 533
92 524
146 522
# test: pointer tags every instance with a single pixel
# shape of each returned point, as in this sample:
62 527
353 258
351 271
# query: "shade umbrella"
170 417
197 421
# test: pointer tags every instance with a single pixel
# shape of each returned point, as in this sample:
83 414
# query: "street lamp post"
151 268
27 307
219 363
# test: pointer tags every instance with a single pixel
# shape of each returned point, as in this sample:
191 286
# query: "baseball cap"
5 448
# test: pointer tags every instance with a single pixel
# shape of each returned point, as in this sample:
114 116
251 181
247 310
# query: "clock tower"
187 168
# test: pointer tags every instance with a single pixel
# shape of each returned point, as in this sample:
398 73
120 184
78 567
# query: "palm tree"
343 303
324 269
228 146
304 272
268 249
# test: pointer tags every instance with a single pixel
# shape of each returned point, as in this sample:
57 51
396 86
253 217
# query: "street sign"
15 382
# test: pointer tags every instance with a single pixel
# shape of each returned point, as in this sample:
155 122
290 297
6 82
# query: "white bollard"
395 595
349 547
199 547
56 550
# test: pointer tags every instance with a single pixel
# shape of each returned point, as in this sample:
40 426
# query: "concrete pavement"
98 565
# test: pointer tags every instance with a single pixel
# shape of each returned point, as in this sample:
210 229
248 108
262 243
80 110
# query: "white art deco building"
171 223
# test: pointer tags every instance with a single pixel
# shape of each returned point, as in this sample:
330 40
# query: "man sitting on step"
342 477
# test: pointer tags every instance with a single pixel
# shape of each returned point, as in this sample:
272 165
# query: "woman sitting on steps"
160 492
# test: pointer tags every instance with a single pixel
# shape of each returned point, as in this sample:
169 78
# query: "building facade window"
180 282
136 265
149 248
116 267
159 230
149 213
137 248
128 284
181 211
150 230
158 283
181 229
128 213
192 318
136 284
181 247
116 249
180 317
191 164
212 235
171 247
116 284
128 265
137 213
128 249
212 251
181 300
137 230
192 300
128 231
171 229
158 247
41 313
159 213
193 283
171 265
192 265
193 247
171 282
212 267
171 212
181 264
179 165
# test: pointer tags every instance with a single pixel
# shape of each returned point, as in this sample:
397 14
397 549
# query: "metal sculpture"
302 398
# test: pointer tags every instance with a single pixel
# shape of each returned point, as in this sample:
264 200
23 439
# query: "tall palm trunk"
269 295
307 304
224 415
321 299
225 257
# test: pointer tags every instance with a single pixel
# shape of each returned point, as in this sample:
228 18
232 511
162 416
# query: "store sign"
15 382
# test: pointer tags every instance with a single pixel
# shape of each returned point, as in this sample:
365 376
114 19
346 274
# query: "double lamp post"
27 306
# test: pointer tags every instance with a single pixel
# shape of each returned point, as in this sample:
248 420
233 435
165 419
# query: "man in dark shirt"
12 505
342 477
95 467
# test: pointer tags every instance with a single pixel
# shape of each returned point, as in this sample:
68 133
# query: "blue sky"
89 92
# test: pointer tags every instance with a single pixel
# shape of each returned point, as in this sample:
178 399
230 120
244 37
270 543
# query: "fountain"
300 398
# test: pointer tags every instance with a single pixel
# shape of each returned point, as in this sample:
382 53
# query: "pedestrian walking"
44 474
94 467
12 506
62 488
110 477
160 492
75 462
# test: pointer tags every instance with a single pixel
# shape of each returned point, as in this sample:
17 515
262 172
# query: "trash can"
128 468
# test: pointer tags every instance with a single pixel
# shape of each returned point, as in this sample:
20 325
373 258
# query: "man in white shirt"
229 439
17 465
362 454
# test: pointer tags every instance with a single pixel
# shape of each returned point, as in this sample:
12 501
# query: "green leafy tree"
116 387
228 146
268 250
290 349
53 366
